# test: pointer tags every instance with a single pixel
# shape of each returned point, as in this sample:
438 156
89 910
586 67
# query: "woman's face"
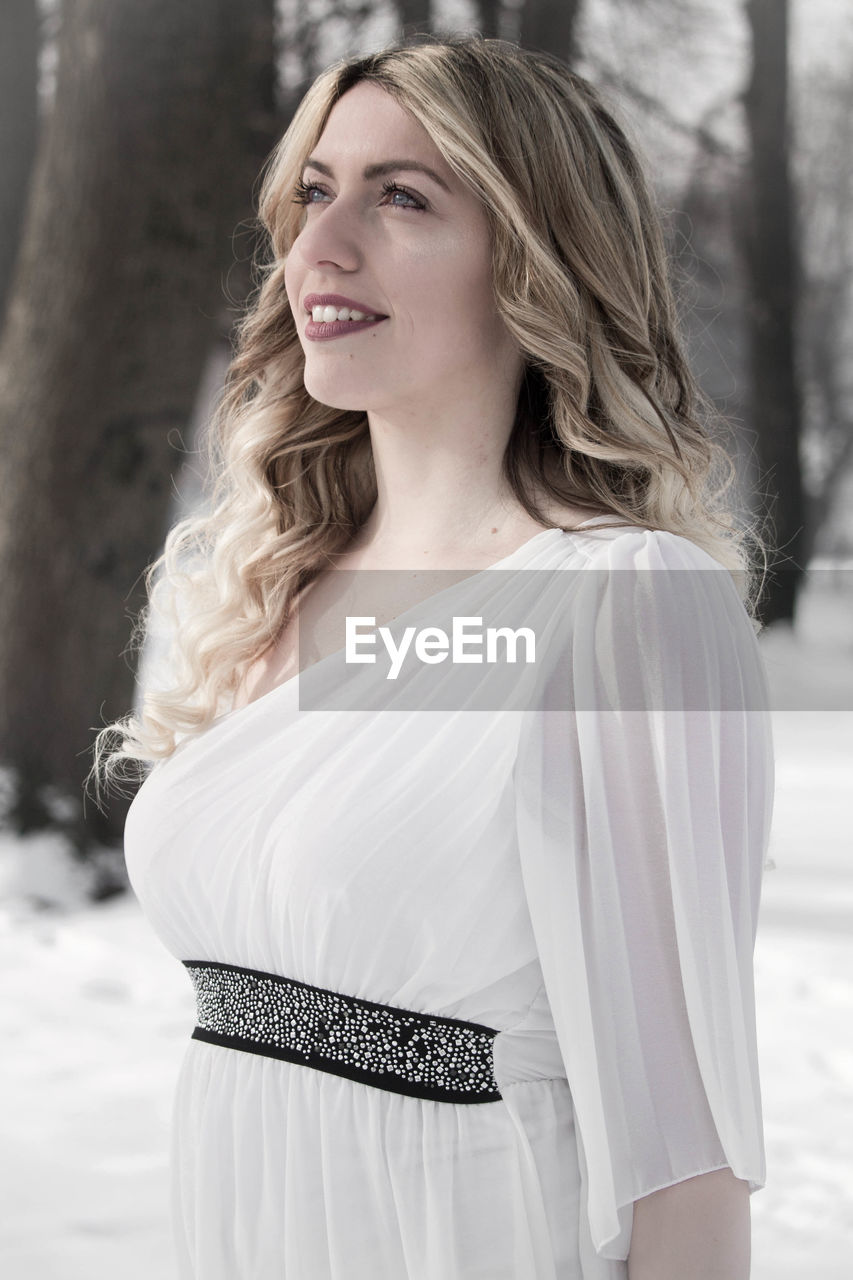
420 258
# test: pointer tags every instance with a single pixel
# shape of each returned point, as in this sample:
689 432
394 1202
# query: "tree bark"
414 16
772 258
489 21
550 27
163 115
19 41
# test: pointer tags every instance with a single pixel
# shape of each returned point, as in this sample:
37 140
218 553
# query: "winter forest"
132 134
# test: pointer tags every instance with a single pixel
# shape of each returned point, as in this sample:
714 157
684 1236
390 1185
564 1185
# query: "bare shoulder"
571 517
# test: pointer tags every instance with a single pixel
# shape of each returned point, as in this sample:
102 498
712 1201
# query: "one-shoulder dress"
572 858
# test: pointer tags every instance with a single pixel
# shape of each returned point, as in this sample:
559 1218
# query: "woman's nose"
330 236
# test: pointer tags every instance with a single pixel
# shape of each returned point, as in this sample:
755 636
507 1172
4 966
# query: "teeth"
327 315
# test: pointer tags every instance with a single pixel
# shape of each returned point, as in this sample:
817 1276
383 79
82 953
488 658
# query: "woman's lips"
321 331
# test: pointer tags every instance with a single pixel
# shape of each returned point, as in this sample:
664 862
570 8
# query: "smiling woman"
475 992
425 261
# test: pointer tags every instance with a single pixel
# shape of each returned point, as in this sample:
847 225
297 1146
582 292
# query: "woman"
474 991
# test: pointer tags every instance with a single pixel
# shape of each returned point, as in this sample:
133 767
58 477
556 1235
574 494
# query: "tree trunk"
773 268
19 40
413 16
550 27
162 117
489 20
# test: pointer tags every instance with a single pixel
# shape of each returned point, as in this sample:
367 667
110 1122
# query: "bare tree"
19 37
550 27
825 199
489 19
162 116
304 38
772 258
413 15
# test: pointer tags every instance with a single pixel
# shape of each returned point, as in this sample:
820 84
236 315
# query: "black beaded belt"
419 1054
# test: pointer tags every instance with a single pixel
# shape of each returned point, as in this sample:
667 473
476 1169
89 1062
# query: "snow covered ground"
95 1014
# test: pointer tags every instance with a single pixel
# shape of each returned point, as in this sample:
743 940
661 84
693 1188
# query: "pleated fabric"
577 865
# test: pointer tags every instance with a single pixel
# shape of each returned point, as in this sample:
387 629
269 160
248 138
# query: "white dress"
579 870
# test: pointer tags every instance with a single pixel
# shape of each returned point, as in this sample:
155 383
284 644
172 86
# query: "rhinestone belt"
419 1054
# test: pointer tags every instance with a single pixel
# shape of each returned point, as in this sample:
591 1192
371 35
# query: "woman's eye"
303 194
391 189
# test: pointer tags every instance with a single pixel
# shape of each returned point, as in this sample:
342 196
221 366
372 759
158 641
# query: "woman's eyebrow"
383 168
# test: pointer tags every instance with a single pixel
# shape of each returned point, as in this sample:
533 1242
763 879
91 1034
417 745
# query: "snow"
95 1015
803 1218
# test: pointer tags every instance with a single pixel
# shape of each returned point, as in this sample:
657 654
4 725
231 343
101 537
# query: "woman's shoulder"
607 542
628 593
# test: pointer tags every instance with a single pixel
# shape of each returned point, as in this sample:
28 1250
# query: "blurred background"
132 134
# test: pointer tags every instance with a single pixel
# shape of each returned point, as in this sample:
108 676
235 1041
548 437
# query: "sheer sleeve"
644 787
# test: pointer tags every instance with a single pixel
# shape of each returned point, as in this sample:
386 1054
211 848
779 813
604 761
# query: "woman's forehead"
365 122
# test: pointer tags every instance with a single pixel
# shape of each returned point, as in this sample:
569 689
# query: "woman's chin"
337 400
340 393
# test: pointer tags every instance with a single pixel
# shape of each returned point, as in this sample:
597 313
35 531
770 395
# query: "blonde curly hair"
609 417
